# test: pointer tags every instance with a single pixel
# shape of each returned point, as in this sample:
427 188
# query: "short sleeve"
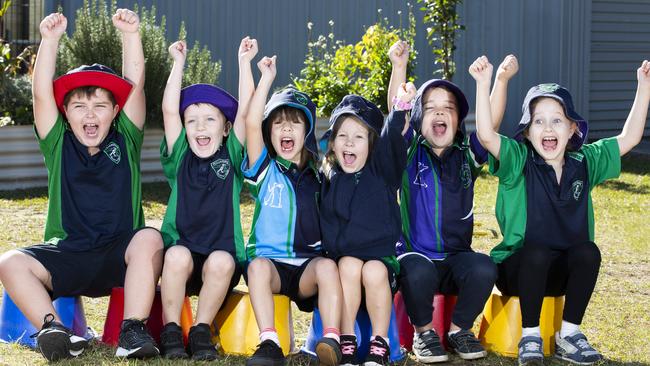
511 162
170 160
48 145
603 160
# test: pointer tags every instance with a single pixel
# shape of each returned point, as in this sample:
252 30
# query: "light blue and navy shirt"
285 222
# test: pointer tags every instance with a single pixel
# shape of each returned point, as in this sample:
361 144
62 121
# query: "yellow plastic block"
238 331
501 324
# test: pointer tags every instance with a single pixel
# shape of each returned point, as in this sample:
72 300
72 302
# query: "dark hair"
447 90
329 160
87 91
290 114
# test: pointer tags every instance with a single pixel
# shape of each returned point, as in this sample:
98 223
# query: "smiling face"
549 130
439 118
351 144
90 113
287 134
205 127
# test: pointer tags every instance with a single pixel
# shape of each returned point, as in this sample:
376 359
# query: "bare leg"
177 269
317 278
378 296
350 274
143 259
217 274
263 282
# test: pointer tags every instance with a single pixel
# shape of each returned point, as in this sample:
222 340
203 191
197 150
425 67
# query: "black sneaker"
268 353
427 347
135 341
171 342
200 343
328 351
57 342
466 345
349 350
379 354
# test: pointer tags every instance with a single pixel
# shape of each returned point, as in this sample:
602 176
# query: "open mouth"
203 140
90 129
286 144
549 143
439 128
349 158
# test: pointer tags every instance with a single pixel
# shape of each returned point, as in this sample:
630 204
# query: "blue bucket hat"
359 107
562 95
291 97
417 113
210 94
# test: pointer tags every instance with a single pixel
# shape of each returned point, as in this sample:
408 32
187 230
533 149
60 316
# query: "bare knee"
259 270
326 269
220 265
146 243
350 268
374 273
178 259
16 263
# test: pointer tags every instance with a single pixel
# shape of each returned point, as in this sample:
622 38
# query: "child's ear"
226 128
116 110
573 128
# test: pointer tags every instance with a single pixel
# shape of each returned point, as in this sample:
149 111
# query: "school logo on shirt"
221 167
274 197
576 188
419 178
113 152
465 175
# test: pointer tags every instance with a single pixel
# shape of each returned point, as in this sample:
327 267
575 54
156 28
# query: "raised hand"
178 51
406 92
267 67
481 70
53 26
126 21
643 76
247 49
399 54
508 68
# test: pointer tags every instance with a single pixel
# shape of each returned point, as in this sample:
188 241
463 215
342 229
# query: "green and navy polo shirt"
93 199
203 209
533 208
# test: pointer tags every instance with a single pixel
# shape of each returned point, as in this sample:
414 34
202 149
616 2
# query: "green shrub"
95 39
16 104
334 69
442 18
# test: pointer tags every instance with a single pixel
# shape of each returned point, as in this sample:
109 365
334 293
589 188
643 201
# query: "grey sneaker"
466 345
576 349
531 352
427 347
57 342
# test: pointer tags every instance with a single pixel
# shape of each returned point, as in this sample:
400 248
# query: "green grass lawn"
617 320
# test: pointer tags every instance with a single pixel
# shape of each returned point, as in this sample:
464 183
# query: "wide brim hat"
94 75
359 107
562 95
417 113
210 94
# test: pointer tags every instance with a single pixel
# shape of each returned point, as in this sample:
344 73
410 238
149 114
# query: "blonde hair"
329 159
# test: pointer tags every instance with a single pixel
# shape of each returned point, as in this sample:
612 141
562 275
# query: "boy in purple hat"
546 175
89 127
201 154
437 199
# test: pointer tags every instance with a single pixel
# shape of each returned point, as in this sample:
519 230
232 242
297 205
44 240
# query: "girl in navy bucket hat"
201 155
284 248
544 205
360 218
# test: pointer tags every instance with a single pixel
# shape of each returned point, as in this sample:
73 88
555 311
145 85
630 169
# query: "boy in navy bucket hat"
359 215
437 199
89 125
201 155
284 249
544 206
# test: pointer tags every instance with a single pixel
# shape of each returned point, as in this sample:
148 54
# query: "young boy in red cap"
89 127
202 155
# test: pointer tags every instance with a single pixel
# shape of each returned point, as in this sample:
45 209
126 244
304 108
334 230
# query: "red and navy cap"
210 94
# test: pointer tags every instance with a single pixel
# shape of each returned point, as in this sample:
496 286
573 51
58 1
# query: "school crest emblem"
576 189
221 168
300 97
549 87
113 152
465 175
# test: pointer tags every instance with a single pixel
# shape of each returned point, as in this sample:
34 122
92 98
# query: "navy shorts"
290 284
91 273
195 282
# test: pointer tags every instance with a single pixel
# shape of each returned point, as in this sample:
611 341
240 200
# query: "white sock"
453 331
532 331
333 336
270 334
568 328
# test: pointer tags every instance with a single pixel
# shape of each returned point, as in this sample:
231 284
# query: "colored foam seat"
363 331
443 307
15 328
155 322
501 324
238 333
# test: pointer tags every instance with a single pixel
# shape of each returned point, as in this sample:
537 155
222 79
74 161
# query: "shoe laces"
201 337
583 344
171 337
429 338
348 348
49 321
531 346
466 338
377 348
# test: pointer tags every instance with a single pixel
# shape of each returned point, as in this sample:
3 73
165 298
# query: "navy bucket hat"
562 95
210 94
359 107
417 113
291 97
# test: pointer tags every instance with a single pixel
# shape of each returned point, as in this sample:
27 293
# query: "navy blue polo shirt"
203 209
437 196
93 199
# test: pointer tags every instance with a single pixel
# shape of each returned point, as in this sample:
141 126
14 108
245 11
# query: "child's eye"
359 136
557 121
189 121
537 121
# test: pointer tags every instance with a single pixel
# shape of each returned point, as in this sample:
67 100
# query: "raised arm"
481 71
128 23
247 50
508 68
399 58
254 139
635 123
172 96
52 28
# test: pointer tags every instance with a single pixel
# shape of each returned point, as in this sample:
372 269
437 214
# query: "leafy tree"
442 18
